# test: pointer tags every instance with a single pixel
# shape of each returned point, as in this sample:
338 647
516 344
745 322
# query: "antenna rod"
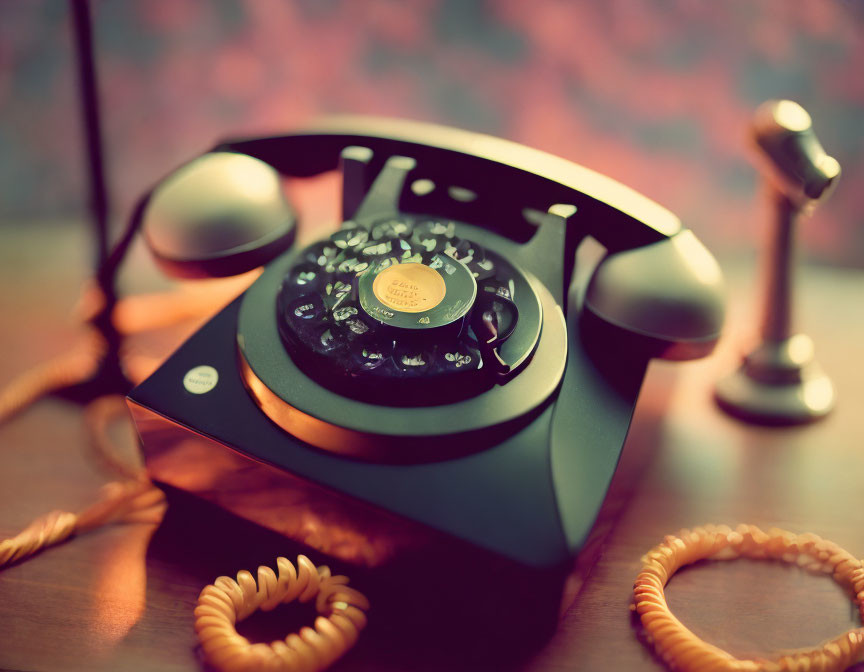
92 125
109 377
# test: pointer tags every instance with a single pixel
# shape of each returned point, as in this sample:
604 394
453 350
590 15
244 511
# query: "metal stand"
780 383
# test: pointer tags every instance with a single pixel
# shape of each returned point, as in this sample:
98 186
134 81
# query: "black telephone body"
430 373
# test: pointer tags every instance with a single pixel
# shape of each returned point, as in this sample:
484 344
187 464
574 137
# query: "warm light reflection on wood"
119 590
191 300
333 524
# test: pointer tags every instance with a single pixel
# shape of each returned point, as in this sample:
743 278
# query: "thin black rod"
109 377
90 116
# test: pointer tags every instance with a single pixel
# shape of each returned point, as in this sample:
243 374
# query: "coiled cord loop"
680 649
225 602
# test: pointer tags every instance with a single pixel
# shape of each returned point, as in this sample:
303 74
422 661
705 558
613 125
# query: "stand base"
791 403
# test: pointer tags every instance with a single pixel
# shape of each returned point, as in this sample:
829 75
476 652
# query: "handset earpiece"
218 215
667 294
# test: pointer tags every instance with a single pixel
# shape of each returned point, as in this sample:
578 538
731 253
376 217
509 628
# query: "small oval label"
201 379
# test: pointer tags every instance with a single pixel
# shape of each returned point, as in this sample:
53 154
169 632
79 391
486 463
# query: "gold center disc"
409 288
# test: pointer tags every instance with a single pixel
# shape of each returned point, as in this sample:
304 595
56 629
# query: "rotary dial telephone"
429 358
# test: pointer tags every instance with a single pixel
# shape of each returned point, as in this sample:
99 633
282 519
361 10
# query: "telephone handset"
507 179
419 358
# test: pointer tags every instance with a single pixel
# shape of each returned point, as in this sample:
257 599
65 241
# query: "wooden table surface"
103 602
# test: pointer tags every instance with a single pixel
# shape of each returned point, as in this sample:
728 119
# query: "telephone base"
486 533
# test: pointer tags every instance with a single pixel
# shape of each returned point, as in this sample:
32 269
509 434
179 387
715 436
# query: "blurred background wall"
655 93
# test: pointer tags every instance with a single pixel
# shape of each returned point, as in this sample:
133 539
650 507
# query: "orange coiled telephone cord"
132 499
680 649
221 605
135 499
